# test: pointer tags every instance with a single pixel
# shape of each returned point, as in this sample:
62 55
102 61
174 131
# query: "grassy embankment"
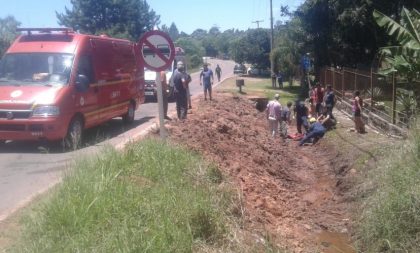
150 198
260 87
391 215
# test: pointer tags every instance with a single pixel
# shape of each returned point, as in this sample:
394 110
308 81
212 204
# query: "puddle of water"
331 242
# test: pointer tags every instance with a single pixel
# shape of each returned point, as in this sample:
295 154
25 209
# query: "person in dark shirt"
301 114
316 131
181 80
218 72
206 79
329 101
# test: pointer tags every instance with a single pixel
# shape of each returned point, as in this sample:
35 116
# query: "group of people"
180 81
315 119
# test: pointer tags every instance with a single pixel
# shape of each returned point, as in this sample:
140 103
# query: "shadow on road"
94 136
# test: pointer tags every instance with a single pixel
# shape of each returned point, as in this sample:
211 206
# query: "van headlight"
46 111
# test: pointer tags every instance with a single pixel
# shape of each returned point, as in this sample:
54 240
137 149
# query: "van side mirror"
82 83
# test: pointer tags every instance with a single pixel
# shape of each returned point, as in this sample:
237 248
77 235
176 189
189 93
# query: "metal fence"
379 92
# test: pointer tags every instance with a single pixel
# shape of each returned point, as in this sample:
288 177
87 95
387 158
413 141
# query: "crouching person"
316 131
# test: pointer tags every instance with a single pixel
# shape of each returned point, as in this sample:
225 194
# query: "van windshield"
35 69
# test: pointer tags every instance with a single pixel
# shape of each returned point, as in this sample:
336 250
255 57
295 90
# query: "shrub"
391 220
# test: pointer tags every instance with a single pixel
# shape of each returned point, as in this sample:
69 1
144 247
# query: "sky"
188 15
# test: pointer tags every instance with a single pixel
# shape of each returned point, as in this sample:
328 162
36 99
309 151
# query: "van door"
87 100
111 78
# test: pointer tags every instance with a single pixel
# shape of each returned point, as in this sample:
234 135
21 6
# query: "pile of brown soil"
289 191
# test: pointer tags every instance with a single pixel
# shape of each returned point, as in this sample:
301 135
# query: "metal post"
394 101
273 80
162 129
342 82
371 87
325 75
355 79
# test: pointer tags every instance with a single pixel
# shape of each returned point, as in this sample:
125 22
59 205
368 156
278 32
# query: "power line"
258 22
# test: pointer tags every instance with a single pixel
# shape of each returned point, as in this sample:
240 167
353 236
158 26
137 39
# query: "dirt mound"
289 191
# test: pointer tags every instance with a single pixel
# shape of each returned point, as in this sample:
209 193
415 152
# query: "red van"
55 83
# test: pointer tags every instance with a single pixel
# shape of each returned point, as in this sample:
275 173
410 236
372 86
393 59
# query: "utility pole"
273 77
258 22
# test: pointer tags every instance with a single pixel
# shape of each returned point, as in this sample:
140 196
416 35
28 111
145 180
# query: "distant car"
239 69
254 71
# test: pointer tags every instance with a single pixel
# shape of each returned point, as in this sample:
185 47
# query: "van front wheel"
128 118
73 139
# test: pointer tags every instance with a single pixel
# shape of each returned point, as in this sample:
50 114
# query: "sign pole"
162 129
158 52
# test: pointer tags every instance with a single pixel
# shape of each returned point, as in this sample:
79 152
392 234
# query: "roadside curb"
135 137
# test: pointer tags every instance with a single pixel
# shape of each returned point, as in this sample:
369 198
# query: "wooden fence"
378 91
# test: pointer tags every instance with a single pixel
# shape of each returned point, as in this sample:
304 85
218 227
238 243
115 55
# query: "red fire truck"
54 83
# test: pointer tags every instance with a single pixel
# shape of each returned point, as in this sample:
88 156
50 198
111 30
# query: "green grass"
391 217
261 87
153 197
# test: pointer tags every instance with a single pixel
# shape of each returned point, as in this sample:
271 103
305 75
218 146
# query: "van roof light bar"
67 30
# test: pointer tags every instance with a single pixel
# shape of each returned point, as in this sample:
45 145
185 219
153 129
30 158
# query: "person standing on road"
273 113
181 80
357 113
206 79
218 72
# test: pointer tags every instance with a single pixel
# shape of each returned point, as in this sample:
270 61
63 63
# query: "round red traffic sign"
157 50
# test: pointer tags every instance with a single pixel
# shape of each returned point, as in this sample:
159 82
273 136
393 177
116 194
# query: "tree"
8 32
337 30
214 31
165 29
118 18
173 32
253 48
193 50
238 50
289 47
199 34
403 58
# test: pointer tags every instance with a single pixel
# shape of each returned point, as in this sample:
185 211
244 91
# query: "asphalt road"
30 168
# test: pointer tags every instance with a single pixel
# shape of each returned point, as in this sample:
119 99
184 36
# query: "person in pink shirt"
273 113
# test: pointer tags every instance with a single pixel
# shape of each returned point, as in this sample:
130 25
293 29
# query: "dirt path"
289 191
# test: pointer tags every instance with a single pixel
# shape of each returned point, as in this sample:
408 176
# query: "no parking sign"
157 50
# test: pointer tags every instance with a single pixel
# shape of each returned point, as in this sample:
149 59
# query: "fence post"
355 79
325 75
342 82
371 87
394 102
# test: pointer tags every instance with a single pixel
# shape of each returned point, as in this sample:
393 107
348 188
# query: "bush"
195 61
391 219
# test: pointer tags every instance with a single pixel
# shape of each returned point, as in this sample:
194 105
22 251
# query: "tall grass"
391 217
151 198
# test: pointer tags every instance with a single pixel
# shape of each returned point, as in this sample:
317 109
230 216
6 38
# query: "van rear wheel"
73 139
128 118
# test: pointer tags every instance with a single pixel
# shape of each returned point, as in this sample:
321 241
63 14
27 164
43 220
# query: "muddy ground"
297 194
